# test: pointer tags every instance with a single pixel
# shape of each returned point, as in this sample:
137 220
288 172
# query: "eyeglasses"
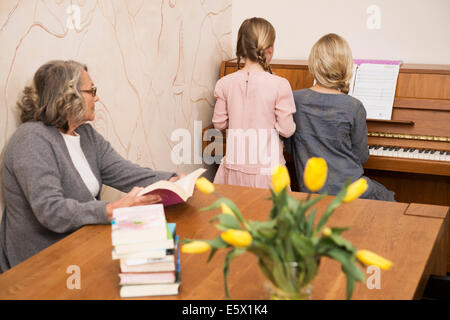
93 91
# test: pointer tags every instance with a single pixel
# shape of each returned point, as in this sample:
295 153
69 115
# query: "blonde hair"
54 95
331 62
255 35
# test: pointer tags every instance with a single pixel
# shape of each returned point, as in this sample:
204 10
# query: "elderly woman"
55 164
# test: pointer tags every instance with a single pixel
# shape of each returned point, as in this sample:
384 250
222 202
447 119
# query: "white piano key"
407 154
404 154
435 156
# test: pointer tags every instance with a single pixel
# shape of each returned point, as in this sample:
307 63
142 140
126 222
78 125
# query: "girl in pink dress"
256 107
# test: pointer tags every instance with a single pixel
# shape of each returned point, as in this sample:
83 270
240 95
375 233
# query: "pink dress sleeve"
284 109
220 116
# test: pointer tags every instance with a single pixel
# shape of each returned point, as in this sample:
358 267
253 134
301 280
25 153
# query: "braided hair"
254 37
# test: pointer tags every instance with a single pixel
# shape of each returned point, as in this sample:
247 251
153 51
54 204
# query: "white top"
80 163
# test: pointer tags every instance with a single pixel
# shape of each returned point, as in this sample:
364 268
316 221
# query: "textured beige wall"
155 64
415 31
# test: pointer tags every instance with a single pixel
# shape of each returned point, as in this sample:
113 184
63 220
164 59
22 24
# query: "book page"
375 87
188 182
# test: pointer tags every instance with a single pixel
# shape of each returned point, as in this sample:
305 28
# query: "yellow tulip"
280 178
315 174
204 185
226 209
237 238
196 247
372 259
326 232
355 190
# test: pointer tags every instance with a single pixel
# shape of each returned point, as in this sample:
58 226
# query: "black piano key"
412 150
371 147
396 149
442 152
421 151
432 151
447 153
385 148
405 149
427 151
377 147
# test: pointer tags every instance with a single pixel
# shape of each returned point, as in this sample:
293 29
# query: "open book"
174 192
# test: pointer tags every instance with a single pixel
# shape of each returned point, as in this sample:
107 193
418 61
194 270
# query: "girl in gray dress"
331 124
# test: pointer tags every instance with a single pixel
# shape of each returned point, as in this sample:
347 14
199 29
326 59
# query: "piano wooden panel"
420 120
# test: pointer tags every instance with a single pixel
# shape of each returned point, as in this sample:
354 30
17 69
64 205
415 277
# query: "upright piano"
409 154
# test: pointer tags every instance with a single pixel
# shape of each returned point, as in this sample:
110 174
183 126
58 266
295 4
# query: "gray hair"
54 95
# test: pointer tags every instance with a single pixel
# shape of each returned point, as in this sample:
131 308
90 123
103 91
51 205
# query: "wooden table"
413 236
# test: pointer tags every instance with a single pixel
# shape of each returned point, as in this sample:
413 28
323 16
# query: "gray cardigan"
45 197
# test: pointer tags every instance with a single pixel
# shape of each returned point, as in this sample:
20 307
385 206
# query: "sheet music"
375 87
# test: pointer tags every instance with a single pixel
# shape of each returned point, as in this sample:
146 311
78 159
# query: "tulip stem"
309 197
218 195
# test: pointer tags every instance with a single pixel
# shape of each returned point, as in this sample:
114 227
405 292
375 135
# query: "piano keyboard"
409 153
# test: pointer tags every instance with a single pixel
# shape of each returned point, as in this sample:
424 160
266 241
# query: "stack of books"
147 247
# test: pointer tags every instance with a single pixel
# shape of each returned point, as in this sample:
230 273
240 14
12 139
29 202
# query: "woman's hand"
178 177
132 199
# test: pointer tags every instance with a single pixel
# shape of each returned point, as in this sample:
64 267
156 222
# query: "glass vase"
285 281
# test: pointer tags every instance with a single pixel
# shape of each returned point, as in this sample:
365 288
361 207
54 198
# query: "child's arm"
284 109
359 135
220 116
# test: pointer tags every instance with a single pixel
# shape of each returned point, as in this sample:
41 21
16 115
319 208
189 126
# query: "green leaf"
338 231
226 267
312 266
308 204
333 205
263 230
338 240
302 244
265 269
216 244
350 285
235 210
281 277
215 205
299 215
280 200
310 223
289 249
232 206
292 203
347 260
211 254
227 221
